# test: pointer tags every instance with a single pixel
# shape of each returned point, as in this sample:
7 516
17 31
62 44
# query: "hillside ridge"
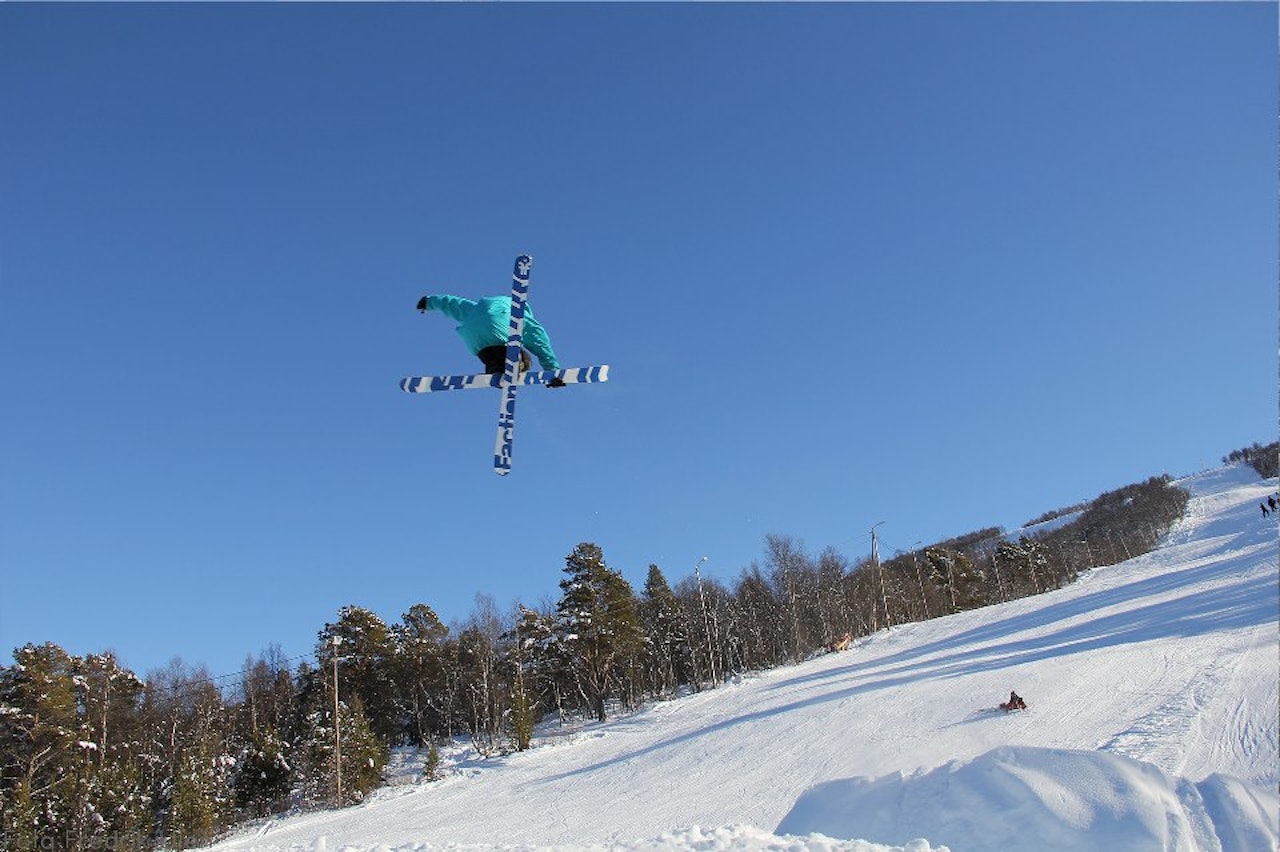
1164 662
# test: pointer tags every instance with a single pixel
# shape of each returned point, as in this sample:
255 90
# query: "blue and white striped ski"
511 373
568 375
512 377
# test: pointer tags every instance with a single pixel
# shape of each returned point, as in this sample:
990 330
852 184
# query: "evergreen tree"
364 753
431 767
198 807
39 734
315 767
1024 565
20 819
596 623
665 641
535 656
366 661
939 563
420 676
522 713
123 803
115 805
312 774
966 585
71 745
263 776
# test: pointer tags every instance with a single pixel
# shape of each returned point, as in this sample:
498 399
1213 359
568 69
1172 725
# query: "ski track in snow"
1169 659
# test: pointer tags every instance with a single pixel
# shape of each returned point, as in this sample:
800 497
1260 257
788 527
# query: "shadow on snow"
1250 600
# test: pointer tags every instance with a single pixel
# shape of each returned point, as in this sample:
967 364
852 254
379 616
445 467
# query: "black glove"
556 383
422 304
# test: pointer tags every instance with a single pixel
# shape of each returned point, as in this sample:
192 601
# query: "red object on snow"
1015 702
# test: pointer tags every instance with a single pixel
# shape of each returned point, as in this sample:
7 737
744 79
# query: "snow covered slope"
1153 693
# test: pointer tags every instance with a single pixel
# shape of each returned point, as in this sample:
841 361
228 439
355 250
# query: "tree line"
1265 460
96 758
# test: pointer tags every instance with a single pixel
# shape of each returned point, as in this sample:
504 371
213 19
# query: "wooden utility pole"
875 557
706 622
337 725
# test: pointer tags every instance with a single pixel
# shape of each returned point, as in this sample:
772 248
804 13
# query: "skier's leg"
494 359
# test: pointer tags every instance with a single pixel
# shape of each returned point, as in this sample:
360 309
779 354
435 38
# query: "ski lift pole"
875 557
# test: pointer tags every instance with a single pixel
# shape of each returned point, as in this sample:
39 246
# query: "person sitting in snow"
1015 702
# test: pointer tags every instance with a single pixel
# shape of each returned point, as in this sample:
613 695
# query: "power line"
189 686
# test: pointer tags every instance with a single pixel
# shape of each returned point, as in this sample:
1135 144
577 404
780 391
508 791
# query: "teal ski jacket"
487 322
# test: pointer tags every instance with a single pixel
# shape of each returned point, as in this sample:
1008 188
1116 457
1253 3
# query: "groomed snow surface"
1153 693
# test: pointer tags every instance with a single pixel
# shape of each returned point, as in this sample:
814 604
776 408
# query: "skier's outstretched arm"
454 307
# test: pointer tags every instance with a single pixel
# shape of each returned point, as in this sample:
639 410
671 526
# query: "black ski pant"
495 359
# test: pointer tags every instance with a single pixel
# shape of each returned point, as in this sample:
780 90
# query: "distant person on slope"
1015 702
484 325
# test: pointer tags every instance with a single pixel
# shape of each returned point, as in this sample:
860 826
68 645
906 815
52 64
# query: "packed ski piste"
1150 693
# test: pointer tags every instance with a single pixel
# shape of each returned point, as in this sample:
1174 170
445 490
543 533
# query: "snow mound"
732 838
1022 797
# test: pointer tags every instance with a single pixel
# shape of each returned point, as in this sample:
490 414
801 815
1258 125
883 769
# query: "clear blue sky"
940 266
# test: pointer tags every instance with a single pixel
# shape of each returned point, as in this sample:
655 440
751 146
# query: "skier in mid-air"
484 325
